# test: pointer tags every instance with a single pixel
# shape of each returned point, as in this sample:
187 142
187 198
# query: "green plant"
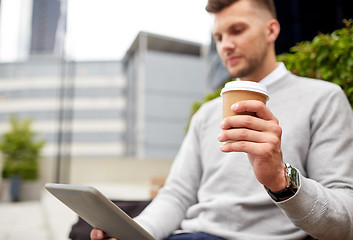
197 104
20 150
328 57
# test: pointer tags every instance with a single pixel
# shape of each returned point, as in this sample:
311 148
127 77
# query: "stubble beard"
252 64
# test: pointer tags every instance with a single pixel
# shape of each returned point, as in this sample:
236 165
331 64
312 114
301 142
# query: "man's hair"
215 6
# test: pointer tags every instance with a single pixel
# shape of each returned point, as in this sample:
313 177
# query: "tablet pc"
98 211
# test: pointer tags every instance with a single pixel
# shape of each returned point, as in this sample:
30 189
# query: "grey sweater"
217 193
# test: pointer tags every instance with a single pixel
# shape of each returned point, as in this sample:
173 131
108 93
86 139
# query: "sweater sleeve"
323 205
165 213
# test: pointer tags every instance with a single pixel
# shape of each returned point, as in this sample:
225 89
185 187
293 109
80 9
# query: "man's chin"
235 69
238 71
234 73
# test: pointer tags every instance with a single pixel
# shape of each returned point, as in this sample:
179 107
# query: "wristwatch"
293 184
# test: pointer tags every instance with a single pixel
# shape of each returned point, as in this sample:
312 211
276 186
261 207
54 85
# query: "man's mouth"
233 60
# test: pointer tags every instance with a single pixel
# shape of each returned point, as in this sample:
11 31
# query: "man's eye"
238 30
218 38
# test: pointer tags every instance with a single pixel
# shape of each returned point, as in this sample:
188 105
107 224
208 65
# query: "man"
242 189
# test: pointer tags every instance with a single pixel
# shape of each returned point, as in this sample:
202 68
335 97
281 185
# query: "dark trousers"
193 236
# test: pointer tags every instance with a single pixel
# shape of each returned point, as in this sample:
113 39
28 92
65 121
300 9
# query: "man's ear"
273 30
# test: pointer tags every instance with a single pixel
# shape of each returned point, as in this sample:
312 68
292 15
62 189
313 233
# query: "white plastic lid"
245 86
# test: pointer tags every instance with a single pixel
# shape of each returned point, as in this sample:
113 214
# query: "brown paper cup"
236 91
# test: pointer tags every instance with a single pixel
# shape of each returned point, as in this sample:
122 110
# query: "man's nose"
228 43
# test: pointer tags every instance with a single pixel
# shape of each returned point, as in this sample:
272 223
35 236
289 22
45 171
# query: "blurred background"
109 86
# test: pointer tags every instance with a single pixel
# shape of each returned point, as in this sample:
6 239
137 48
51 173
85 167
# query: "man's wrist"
281 182
291 188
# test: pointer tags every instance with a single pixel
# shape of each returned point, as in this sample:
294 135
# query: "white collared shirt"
274 76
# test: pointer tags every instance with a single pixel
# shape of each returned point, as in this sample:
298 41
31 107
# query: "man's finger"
261 150
243 121
254 106
242 134
97 234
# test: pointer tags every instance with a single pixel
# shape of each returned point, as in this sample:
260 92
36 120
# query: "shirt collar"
275 75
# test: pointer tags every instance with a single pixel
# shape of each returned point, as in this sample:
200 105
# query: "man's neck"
269 65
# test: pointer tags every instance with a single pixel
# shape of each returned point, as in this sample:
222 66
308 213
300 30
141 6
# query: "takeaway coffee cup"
236 91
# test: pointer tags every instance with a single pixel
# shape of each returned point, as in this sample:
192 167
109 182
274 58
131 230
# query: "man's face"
240 36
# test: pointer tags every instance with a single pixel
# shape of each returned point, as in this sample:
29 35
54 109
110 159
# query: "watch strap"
292 186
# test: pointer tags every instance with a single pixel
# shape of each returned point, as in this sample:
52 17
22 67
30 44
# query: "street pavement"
23 220
47 219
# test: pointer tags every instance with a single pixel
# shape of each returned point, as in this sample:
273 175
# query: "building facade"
164 77
138 107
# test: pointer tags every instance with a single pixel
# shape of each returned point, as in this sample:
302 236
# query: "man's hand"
260 138
97 234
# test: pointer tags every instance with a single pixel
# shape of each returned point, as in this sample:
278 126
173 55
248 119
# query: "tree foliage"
328 57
